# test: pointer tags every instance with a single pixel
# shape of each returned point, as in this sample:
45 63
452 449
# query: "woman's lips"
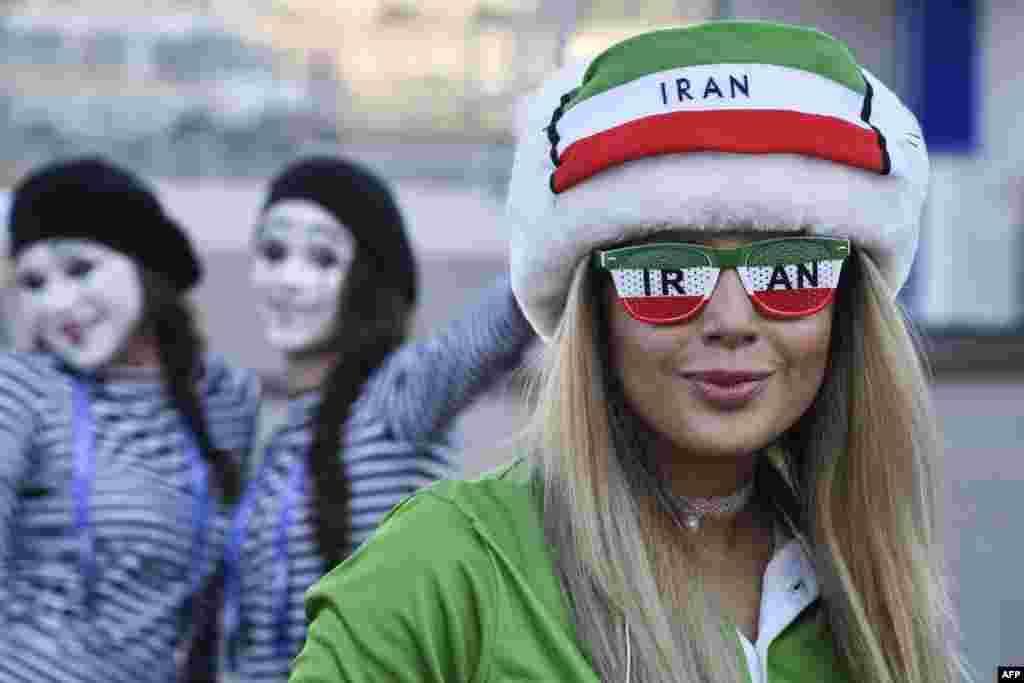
728 389
75 333
282 308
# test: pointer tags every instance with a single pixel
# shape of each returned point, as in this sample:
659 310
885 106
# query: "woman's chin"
728 435
297 344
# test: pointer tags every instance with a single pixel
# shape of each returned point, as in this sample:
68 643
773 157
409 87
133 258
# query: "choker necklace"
694 510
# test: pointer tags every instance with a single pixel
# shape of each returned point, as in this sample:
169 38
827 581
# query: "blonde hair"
857 477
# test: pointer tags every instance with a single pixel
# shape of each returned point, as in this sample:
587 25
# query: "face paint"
301 255
84 300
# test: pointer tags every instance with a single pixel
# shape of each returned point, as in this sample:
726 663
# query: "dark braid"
373 321
180 349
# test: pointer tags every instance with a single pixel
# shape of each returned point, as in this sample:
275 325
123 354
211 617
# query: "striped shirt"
140 505
396 441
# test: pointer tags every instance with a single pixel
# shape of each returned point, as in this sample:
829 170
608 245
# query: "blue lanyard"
233 560
296 479
280 580
83 476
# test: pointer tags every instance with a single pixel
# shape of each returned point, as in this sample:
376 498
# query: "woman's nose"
294 273
729 317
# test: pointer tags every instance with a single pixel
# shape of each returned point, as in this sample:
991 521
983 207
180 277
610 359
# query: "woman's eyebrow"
273 226
69 254
328 232
683 235
673 236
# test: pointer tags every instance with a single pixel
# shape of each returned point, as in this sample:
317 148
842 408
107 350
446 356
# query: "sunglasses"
670 282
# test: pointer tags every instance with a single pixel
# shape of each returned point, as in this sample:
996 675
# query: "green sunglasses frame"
666 255
639 256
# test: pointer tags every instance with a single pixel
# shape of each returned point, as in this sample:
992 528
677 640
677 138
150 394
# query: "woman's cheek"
805 346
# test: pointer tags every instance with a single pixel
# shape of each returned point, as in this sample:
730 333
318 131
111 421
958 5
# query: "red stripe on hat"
740 131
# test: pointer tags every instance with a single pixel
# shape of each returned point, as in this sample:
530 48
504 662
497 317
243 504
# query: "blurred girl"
368 419
120 437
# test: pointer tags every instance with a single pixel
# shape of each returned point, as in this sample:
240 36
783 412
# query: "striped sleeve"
232 398
20 395
423 386
384 473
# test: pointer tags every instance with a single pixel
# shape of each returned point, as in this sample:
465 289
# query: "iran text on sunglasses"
669 282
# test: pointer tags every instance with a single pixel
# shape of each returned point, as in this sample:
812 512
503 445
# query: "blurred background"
208 98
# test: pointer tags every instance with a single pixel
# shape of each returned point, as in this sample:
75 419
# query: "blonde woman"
731 472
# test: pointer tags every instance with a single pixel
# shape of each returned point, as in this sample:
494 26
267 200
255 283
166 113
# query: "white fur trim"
704 191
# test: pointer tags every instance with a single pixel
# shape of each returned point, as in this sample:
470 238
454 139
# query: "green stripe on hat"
721 42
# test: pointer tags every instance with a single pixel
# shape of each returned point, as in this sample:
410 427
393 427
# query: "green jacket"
457 586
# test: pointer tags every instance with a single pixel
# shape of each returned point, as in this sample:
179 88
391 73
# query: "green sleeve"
414 603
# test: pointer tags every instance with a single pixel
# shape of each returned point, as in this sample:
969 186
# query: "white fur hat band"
732 125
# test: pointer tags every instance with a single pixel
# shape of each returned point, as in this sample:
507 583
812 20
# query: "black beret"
91 198
361 202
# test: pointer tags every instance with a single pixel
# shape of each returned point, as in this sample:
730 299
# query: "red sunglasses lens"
792 290
794 304
662 309
664 296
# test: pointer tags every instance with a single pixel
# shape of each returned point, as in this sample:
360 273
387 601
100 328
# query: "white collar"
788 587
